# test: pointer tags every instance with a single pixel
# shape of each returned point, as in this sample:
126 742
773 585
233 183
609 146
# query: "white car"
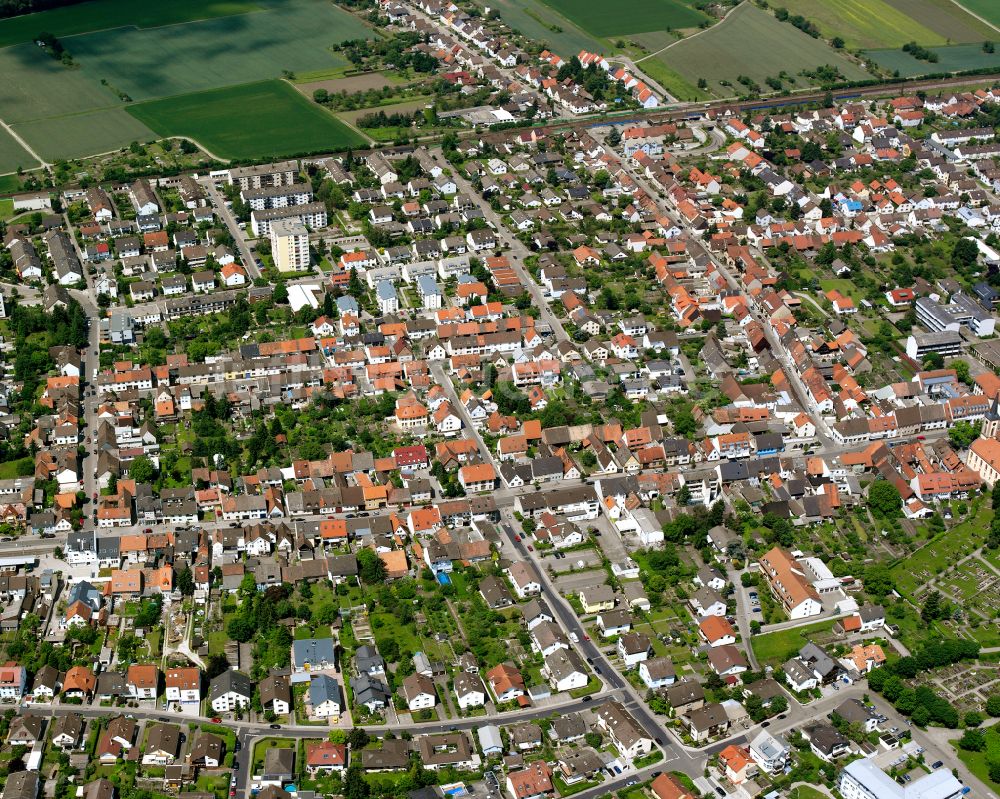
574 638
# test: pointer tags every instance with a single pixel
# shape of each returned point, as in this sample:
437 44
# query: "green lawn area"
217 642
102 14
607 19
957 58
22 467
841 284
914 571
978 762
80 135
10 184
269 743
775 648
255 120
752 43
805 792
6 209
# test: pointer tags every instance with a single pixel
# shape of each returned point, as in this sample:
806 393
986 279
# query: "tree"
216 665
593 739
933 360
355 785
932 607
142 470
370 567
779 704
185 581
884 499
964 253
878 580
993 705
962 434
973 718
357 738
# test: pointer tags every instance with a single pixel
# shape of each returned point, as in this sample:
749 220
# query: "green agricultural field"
775 648
104 14
171 49
295 36
637 16
36 87
957 58
13 155
255 120
864 23
547 27
84 134
987 9
752 43
948 19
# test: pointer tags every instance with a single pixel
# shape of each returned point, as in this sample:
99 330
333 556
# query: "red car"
517 538
217 720
530 548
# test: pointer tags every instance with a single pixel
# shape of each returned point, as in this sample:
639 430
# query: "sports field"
601 18
957 58
13 155
254 120
752 43
987 9
104 14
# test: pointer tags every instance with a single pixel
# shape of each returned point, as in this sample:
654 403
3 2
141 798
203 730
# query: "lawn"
775 648
978 762
637 16
931 559
256 120
6 211
753 43
841 284
22 467
12 154
864 23
103 14
957 58
10 184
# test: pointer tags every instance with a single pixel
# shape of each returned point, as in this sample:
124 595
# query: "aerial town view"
499 399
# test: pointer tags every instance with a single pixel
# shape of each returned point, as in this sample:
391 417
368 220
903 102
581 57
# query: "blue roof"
313 651
323 688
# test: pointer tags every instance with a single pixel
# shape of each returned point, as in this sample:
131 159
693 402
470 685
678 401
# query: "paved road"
219 202
516 253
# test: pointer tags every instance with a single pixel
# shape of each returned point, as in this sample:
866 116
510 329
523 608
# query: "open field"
679 86
12 154
547 27
255 120
146 64
36 87
987 9
84 134
775 648
407 107
72 112
948 19
864 23
608 19
957 58
104 14
753 43
355 83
